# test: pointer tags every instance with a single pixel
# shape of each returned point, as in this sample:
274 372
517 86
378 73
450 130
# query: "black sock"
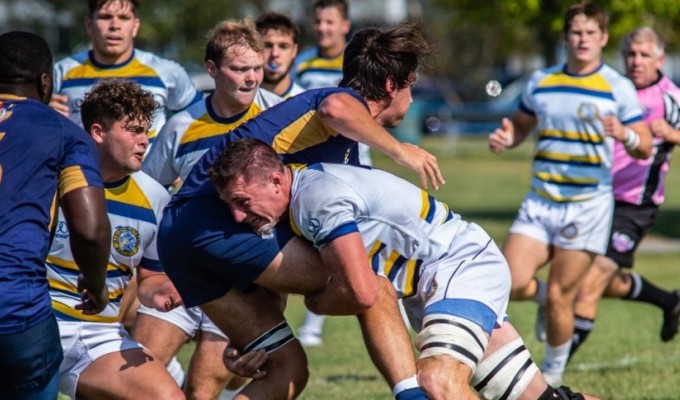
582 328
644 291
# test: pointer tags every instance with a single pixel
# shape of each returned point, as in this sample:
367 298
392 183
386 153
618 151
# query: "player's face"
330 28
279 52
642 63
112 30
258 202
122 148
238 77
585 41
401 100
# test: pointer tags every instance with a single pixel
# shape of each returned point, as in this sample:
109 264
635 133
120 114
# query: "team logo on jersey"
314 225
622 242
126 240
5 111
61 230
432 290
569 232
588 112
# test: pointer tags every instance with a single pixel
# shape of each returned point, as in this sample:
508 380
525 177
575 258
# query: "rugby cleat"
670 320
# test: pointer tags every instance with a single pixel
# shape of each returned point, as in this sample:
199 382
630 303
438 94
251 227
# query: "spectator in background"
44 160
112 26
579 109
97 349
638 192
280 36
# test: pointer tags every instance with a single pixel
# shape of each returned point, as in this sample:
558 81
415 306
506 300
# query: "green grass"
623 358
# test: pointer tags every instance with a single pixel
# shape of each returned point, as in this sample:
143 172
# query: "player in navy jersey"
206 253
45 160
578 110
113 26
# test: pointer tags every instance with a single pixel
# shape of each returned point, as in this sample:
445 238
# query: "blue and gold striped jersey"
190 133
293 129
573 156
134 205
43 156
170 84
314 71
403 227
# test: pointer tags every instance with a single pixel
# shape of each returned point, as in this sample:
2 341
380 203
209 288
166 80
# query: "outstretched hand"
248 365
424 163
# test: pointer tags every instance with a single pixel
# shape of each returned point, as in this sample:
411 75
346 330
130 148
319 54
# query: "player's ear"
390 87
97 132
211 68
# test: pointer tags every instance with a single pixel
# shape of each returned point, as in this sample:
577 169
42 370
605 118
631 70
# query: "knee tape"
506 373
453 336
272 340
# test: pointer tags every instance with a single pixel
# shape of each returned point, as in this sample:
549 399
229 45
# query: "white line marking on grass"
621 363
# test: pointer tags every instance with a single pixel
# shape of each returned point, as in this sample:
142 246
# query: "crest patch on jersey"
126 241
588 112
433 289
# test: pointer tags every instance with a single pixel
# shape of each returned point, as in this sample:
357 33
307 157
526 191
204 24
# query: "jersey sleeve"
80 165
159 163
672 109
323 208
629 109
183 93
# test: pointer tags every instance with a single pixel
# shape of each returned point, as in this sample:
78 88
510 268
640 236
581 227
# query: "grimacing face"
238 77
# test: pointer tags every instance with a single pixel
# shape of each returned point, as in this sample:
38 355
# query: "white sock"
541 295
313 323
408 383
556 358
176 371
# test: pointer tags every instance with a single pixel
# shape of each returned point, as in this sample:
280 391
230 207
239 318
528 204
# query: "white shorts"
580 225
190 320
83 343
472 282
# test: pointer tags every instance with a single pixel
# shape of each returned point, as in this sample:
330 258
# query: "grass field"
623 358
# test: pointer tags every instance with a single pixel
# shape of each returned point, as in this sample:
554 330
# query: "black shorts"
629 225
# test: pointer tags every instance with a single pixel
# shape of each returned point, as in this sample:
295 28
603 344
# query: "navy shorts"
630 224
30 362
205 252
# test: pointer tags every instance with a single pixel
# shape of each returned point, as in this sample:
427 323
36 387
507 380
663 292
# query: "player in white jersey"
579 109
639 190
454 280
234 59
112 26
97 349
280 36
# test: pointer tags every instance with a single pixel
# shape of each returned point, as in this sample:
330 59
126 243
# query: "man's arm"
348 116
352 287
512 132
635 137
90 241
155 290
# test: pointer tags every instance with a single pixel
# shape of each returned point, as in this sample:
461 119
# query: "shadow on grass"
351 378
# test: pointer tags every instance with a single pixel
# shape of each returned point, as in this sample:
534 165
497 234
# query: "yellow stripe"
305 132
545 176
425 204
133 69
562 199
71 178
410 273
374 250
568 157
68 264
63 286
64 309
583 136
129 193
389 263
322 63
592 82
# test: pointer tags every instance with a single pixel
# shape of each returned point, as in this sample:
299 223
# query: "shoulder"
157 195
266 99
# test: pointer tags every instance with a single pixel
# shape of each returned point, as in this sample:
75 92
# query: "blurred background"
484 48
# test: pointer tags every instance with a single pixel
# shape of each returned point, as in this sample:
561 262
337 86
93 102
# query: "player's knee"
506 373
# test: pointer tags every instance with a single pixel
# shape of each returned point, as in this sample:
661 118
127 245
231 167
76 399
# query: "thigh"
568 269
162 338
207 372
525 256
29 359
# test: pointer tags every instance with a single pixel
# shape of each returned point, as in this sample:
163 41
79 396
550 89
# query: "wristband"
632 140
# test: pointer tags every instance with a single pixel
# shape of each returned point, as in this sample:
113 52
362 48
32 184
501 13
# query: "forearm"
334 301
148 286
637 141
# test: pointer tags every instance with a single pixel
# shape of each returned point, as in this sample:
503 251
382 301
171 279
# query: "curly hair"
113 100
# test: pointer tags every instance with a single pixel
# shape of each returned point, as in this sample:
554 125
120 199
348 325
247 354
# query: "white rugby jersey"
402 226
573 157
190 133
170 84
314 71
134 205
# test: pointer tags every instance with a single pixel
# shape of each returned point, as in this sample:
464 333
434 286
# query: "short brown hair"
341 5
113 100
278 22
95 5
373 56
245 157
591 11
232 33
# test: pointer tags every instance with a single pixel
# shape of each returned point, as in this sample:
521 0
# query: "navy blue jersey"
43 156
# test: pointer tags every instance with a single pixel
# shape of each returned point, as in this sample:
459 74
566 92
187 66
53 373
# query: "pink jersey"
642 181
